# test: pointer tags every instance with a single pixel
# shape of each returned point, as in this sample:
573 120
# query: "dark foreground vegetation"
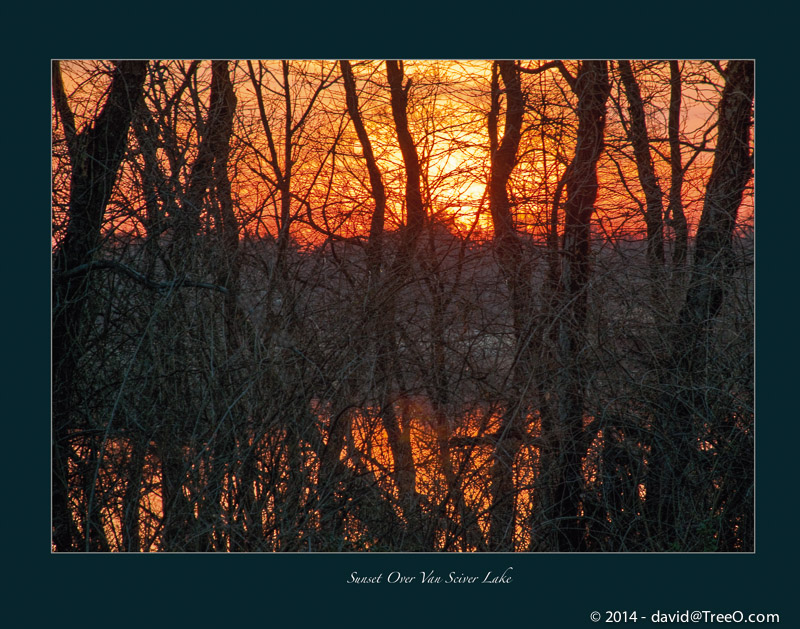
273 330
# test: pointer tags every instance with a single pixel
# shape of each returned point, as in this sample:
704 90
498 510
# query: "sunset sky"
448 108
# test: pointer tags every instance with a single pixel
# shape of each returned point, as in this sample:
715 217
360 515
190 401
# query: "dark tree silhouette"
315 306
570 440
95 153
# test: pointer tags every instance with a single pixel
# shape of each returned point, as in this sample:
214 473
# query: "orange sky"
448 102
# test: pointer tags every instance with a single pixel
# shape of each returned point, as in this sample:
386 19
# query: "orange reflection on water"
283 497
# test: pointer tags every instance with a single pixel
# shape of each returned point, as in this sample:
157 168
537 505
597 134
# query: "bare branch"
113 265
64 111
552 64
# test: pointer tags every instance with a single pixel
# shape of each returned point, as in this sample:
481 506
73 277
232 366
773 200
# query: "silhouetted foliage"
402 306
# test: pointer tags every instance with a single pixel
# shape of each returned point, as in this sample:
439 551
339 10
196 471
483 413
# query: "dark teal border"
266 590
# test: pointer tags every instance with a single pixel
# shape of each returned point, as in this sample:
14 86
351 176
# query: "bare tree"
388 306
516 270
639 138
690 410
95 154
569 439
675 213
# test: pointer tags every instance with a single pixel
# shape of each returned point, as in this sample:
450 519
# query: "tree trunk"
686 411
677 218
516 271
220 130
415 209
729 175
95 155
397 429
378 319
639 138
570 442
375 250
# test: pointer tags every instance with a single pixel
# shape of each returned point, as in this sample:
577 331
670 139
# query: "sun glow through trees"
263 343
